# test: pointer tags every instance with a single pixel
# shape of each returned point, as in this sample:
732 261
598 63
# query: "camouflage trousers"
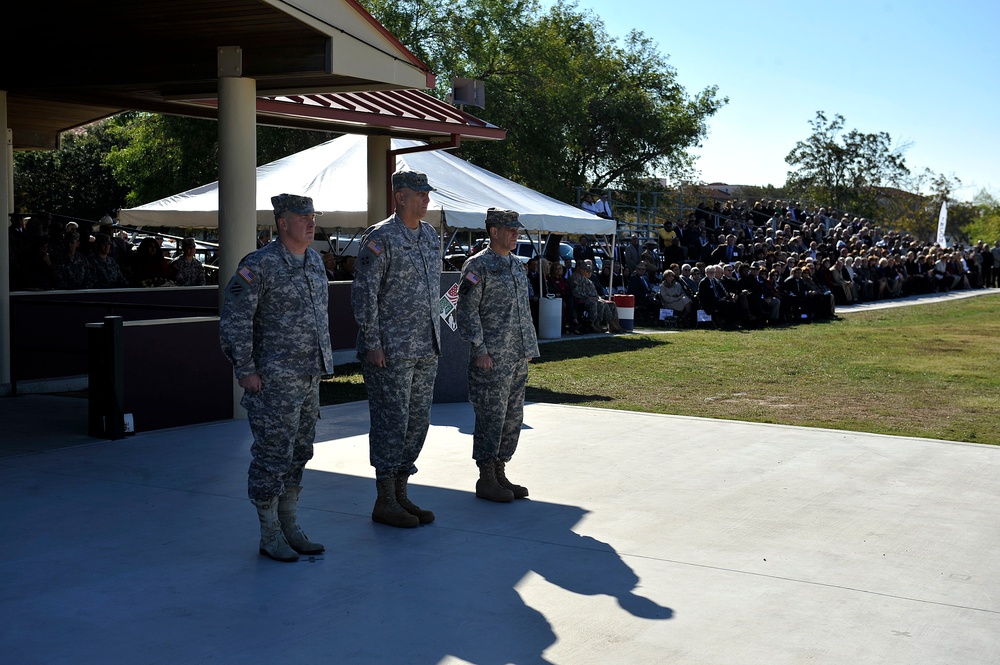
497 397
283 422
399 402
599 311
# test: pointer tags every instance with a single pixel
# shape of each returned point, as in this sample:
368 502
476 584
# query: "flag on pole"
942 222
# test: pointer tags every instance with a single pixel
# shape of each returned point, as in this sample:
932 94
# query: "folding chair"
704 317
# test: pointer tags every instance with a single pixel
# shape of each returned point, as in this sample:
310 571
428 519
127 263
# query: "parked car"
526 249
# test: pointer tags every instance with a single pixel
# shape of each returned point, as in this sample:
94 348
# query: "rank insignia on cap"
375 248
472 277
247 274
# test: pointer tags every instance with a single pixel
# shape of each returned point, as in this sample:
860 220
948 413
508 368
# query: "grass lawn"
929 370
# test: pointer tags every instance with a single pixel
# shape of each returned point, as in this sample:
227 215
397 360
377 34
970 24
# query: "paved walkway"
924 299
647 539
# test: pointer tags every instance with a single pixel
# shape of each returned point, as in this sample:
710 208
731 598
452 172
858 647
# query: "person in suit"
631 253
726 252
674 252
345 269
716 300
641 288
330 265
728 277
799 299
686 278
703 247
764 305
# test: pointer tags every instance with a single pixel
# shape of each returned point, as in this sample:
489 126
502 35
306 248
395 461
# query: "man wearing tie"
715 300
797 294
727 253
646 299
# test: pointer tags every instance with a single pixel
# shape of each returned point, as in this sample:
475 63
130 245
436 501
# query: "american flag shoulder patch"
247 274
375 248
472 277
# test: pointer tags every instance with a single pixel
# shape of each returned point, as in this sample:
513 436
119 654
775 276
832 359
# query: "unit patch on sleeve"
236 289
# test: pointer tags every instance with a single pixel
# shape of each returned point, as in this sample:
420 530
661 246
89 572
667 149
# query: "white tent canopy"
334 174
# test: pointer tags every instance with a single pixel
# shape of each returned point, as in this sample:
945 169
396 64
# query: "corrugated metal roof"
401 113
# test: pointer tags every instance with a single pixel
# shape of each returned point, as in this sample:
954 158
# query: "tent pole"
541 284
611 275
390 162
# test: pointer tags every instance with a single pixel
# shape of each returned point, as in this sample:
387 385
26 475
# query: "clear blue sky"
925 71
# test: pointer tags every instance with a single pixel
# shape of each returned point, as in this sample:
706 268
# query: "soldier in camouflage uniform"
599 311
275 330
72 269
494 316
395 295
105 273
186 270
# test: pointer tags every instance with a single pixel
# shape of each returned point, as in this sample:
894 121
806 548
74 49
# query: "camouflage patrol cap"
415 180
505 218
300 205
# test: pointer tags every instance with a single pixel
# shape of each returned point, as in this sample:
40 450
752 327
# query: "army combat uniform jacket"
396 289
187 273
493 311
275 319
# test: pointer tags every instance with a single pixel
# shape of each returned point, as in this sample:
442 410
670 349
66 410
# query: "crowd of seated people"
49 253
771 262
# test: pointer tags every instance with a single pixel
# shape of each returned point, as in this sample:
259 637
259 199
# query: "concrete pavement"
647 539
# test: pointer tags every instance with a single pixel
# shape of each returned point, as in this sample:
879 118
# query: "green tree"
847 171
134 158
579 107
161 155
918 213
74 180
985 222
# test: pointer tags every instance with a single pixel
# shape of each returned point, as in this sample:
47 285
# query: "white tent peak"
334 174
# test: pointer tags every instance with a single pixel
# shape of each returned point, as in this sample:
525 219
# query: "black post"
114 326
106 413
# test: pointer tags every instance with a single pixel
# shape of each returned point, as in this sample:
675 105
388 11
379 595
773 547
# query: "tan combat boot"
387 510
519 491
425 516
287 508
272 539
488 488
